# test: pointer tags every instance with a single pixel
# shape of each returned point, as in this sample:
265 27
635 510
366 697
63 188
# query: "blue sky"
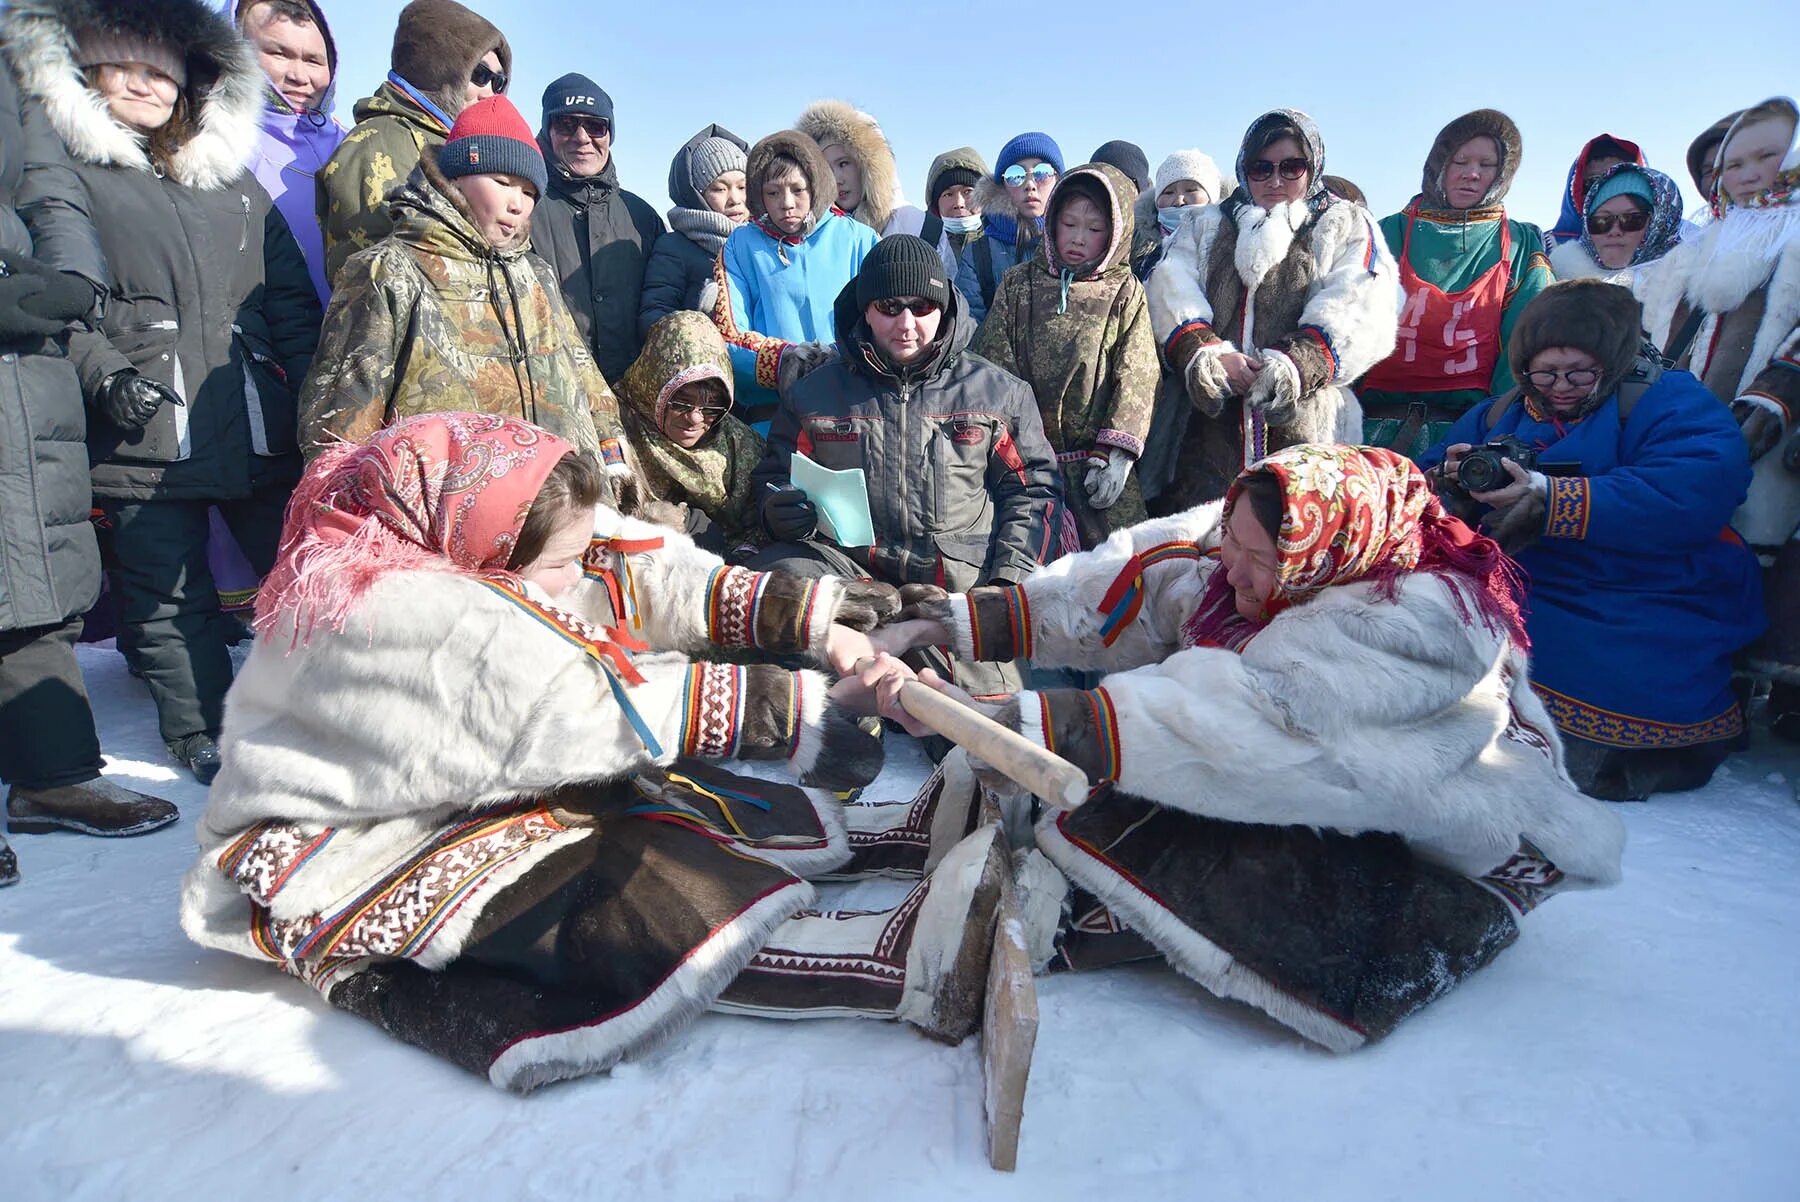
1380 82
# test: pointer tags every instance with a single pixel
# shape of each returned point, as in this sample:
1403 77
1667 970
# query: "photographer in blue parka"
1612 481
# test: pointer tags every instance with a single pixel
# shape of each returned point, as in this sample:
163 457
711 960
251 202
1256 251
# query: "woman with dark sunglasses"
1632 218
445 58
1640 593
1267 307
1467 270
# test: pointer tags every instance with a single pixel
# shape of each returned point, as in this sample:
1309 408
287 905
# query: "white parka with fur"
1347 712
441 697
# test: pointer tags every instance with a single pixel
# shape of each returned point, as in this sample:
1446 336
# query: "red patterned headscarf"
1360 513
443 491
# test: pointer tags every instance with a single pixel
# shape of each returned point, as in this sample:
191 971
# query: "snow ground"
1636 1043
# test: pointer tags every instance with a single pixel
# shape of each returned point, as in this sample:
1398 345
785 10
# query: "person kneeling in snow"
1323 784
452 801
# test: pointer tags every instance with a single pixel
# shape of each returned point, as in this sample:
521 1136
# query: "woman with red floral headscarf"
1322 782
459 799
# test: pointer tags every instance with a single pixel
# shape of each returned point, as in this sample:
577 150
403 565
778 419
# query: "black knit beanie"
948 178
1127 157
902 265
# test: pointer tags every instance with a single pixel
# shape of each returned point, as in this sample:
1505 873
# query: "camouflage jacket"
432 319
713 476
392 134
1083 344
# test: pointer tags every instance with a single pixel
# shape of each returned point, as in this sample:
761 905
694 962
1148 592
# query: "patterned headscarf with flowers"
1353 514
441 491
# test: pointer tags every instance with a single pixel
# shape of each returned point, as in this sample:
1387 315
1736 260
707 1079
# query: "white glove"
1277 387
1207 385
1105 478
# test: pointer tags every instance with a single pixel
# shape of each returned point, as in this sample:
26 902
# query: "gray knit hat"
713 158
99 46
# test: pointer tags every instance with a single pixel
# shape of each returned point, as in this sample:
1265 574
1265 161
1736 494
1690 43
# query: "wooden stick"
1009 1022
1043 772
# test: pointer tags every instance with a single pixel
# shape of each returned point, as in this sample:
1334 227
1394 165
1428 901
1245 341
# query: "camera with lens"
1483 469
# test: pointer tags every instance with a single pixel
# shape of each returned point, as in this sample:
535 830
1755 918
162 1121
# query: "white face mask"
963 225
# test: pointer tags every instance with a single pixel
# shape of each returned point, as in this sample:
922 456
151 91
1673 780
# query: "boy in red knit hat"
453 312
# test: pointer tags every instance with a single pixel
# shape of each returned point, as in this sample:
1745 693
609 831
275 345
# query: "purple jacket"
294 147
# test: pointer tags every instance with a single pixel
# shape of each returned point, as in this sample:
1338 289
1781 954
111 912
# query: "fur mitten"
866 604
799 360
839 754
1518 525
1760 422
1277 388
1204 378
924 601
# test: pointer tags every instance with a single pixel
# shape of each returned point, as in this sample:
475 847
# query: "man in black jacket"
597 235
962 482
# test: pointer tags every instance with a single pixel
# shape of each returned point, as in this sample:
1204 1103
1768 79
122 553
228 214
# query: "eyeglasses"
894 306
711 413
483 75
1291 169
1628 223
1016 175
1580 377
569 125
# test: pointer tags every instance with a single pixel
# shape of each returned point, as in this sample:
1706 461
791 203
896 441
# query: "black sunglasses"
1629 223
894 306
483 75
711 413
1291 169
569 124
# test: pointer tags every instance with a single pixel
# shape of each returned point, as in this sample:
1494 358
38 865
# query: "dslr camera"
1484 468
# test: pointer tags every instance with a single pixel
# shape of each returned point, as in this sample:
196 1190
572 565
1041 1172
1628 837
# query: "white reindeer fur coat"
1346 712
1352 297
437 699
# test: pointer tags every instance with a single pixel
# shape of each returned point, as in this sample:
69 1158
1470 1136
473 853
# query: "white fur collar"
1265 237
1736 254
42 51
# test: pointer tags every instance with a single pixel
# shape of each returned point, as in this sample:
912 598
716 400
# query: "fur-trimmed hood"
1111 189
1491 123
223 93
1703 151
803 150
834 121
966 157
1602 319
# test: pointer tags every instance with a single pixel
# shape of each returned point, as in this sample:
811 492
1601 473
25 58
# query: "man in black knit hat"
962 483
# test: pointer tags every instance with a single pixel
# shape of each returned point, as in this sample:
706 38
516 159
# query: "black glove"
58 298
788 516
129 400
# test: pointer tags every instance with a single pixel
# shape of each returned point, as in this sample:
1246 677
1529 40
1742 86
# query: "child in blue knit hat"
1012 203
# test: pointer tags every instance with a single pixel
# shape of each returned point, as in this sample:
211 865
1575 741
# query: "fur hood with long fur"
829 121
1602 319
223 93
1490 123
803 150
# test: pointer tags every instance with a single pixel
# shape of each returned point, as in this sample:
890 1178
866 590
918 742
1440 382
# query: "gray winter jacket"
208 292
962 482
598 237
49 565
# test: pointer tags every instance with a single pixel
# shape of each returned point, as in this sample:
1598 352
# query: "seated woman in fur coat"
1322 783
451 797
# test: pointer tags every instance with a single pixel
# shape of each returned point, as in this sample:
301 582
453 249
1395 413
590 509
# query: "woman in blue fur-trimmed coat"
1641 592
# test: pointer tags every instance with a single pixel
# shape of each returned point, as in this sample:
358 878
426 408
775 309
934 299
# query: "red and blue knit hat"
490 138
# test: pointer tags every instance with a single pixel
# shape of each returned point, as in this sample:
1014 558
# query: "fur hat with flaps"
833 122
792 144
217 118
1109 190
1602 319
436 46
1488 123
